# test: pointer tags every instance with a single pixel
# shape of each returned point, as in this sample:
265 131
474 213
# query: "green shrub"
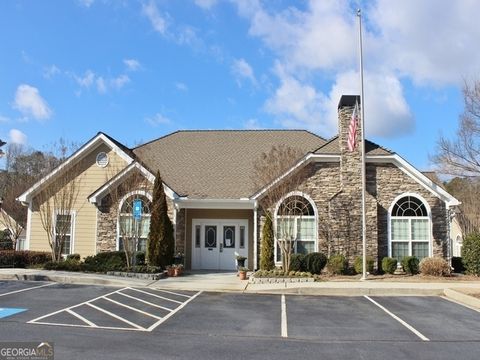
457 264
434 266
471 254
66 265
389 265
337 264
266 251
23 258
410 265
358 264
297 262
106 261
140 258
315 262
74 257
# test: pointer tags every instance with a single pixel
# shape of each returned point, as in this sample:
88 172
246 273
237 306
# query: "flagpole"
362 137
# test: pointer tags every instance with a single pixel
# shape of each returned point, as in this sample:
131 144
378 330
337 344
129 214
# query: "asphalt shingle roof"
332 147
217 164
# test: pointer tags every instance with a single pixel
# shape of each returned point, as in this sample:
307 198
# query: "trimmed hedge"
410 265
389 265
471 254
23 258
106 261
337 264
457 264
358 264
315 262
297 262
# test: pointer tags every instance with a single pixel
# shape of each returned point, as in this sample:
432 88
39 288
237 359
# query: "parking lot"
87 322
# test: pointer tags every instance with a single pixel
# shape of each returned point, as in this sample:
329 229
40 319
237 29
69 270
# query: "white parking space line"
151 328
157 296
116 316
284 317
172 293
133 308
43 320
81 318
27 289
459 303
408 326
144 301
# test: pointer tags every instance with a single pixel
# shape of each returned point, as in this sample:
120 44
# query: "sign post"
137 216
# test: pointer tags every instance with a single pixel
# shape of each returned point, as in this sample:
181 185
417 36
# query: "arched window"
295 219
134 221
409 228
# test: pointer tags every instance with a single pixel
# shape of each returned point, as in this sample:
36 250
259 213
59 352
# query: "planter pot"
178 272
240 263
242 275
171 272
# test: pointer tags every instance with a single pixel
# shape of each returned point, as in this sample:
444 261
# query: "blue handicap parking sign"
4 312
137 209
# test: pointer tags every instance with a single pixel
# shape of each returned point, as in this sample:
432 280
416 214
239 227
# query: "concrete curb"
349 291
462 298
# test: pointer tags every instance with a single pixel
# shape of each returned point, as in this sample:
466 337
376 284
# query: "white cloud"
181 86
242 70
387 113
132 64
51 71
4 119
120 81
86 80
252 124
158 21
158 119
101 85
29 102
17 137
206 4
86 3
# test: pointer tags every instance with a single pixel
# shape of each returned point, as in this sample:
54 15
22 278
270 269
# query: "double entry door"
216 243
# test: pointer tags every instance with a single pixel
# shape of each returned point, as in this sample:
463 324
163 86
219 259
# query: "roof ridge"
333 138
225 130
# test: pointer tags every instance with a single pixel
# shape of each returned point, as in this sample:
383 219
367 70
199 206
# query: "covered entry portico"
216 242
216 232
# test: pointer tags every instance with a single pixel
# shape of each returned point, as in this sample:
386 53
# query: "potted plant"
178 269
170 270
240 261
242 273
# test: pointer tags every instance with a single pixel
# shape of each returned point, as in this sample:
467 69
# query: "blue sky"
138 70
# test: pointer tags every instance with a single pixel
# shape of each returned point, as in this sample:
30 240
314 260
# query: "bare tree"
13 215
467 190
461 155
273 169
57 200
129 228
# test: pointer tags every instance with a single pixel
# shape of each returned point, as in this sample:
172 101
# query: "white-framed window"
64 230
132 229
296 219
410 228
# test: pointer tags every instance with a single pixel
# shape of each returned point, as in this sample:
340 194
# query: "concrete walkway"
229 282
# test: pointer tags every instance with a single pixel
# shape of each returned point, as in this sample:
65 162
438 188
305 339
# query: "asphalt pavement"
99 322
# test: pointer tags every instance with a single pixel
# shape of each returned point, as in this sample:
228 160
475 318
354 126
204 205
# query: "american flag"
352 130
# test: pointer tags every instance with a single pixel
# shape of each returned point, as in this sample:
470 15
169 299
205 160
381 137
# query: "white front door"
216 243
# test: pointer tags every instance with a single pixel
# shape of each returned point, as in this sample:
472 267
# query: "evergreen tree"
160 246
266 255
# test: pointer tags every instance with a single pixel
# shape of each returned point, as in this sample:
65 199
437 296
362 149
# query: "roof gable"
332 147
78 155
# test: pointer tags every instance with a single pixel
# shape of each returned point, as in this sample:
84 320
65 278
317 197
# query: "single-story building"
216 208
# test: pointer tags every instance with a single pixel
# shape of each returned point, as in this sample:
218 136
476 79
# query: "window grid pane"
420 229
400 229
305 229
399 250
420 250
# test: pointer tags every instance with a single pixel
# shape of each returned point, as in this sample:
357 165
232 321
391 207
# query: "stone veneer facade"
335 188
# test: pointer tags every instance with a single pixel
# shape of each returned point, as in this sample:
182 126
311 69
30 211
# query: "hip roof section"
217 164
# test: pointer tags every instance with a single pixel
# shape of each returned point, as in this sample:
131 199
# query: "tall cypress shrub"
266 253
160 247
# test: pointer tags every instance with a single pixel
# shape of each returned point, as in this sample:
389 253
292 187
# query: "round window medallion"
102 159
